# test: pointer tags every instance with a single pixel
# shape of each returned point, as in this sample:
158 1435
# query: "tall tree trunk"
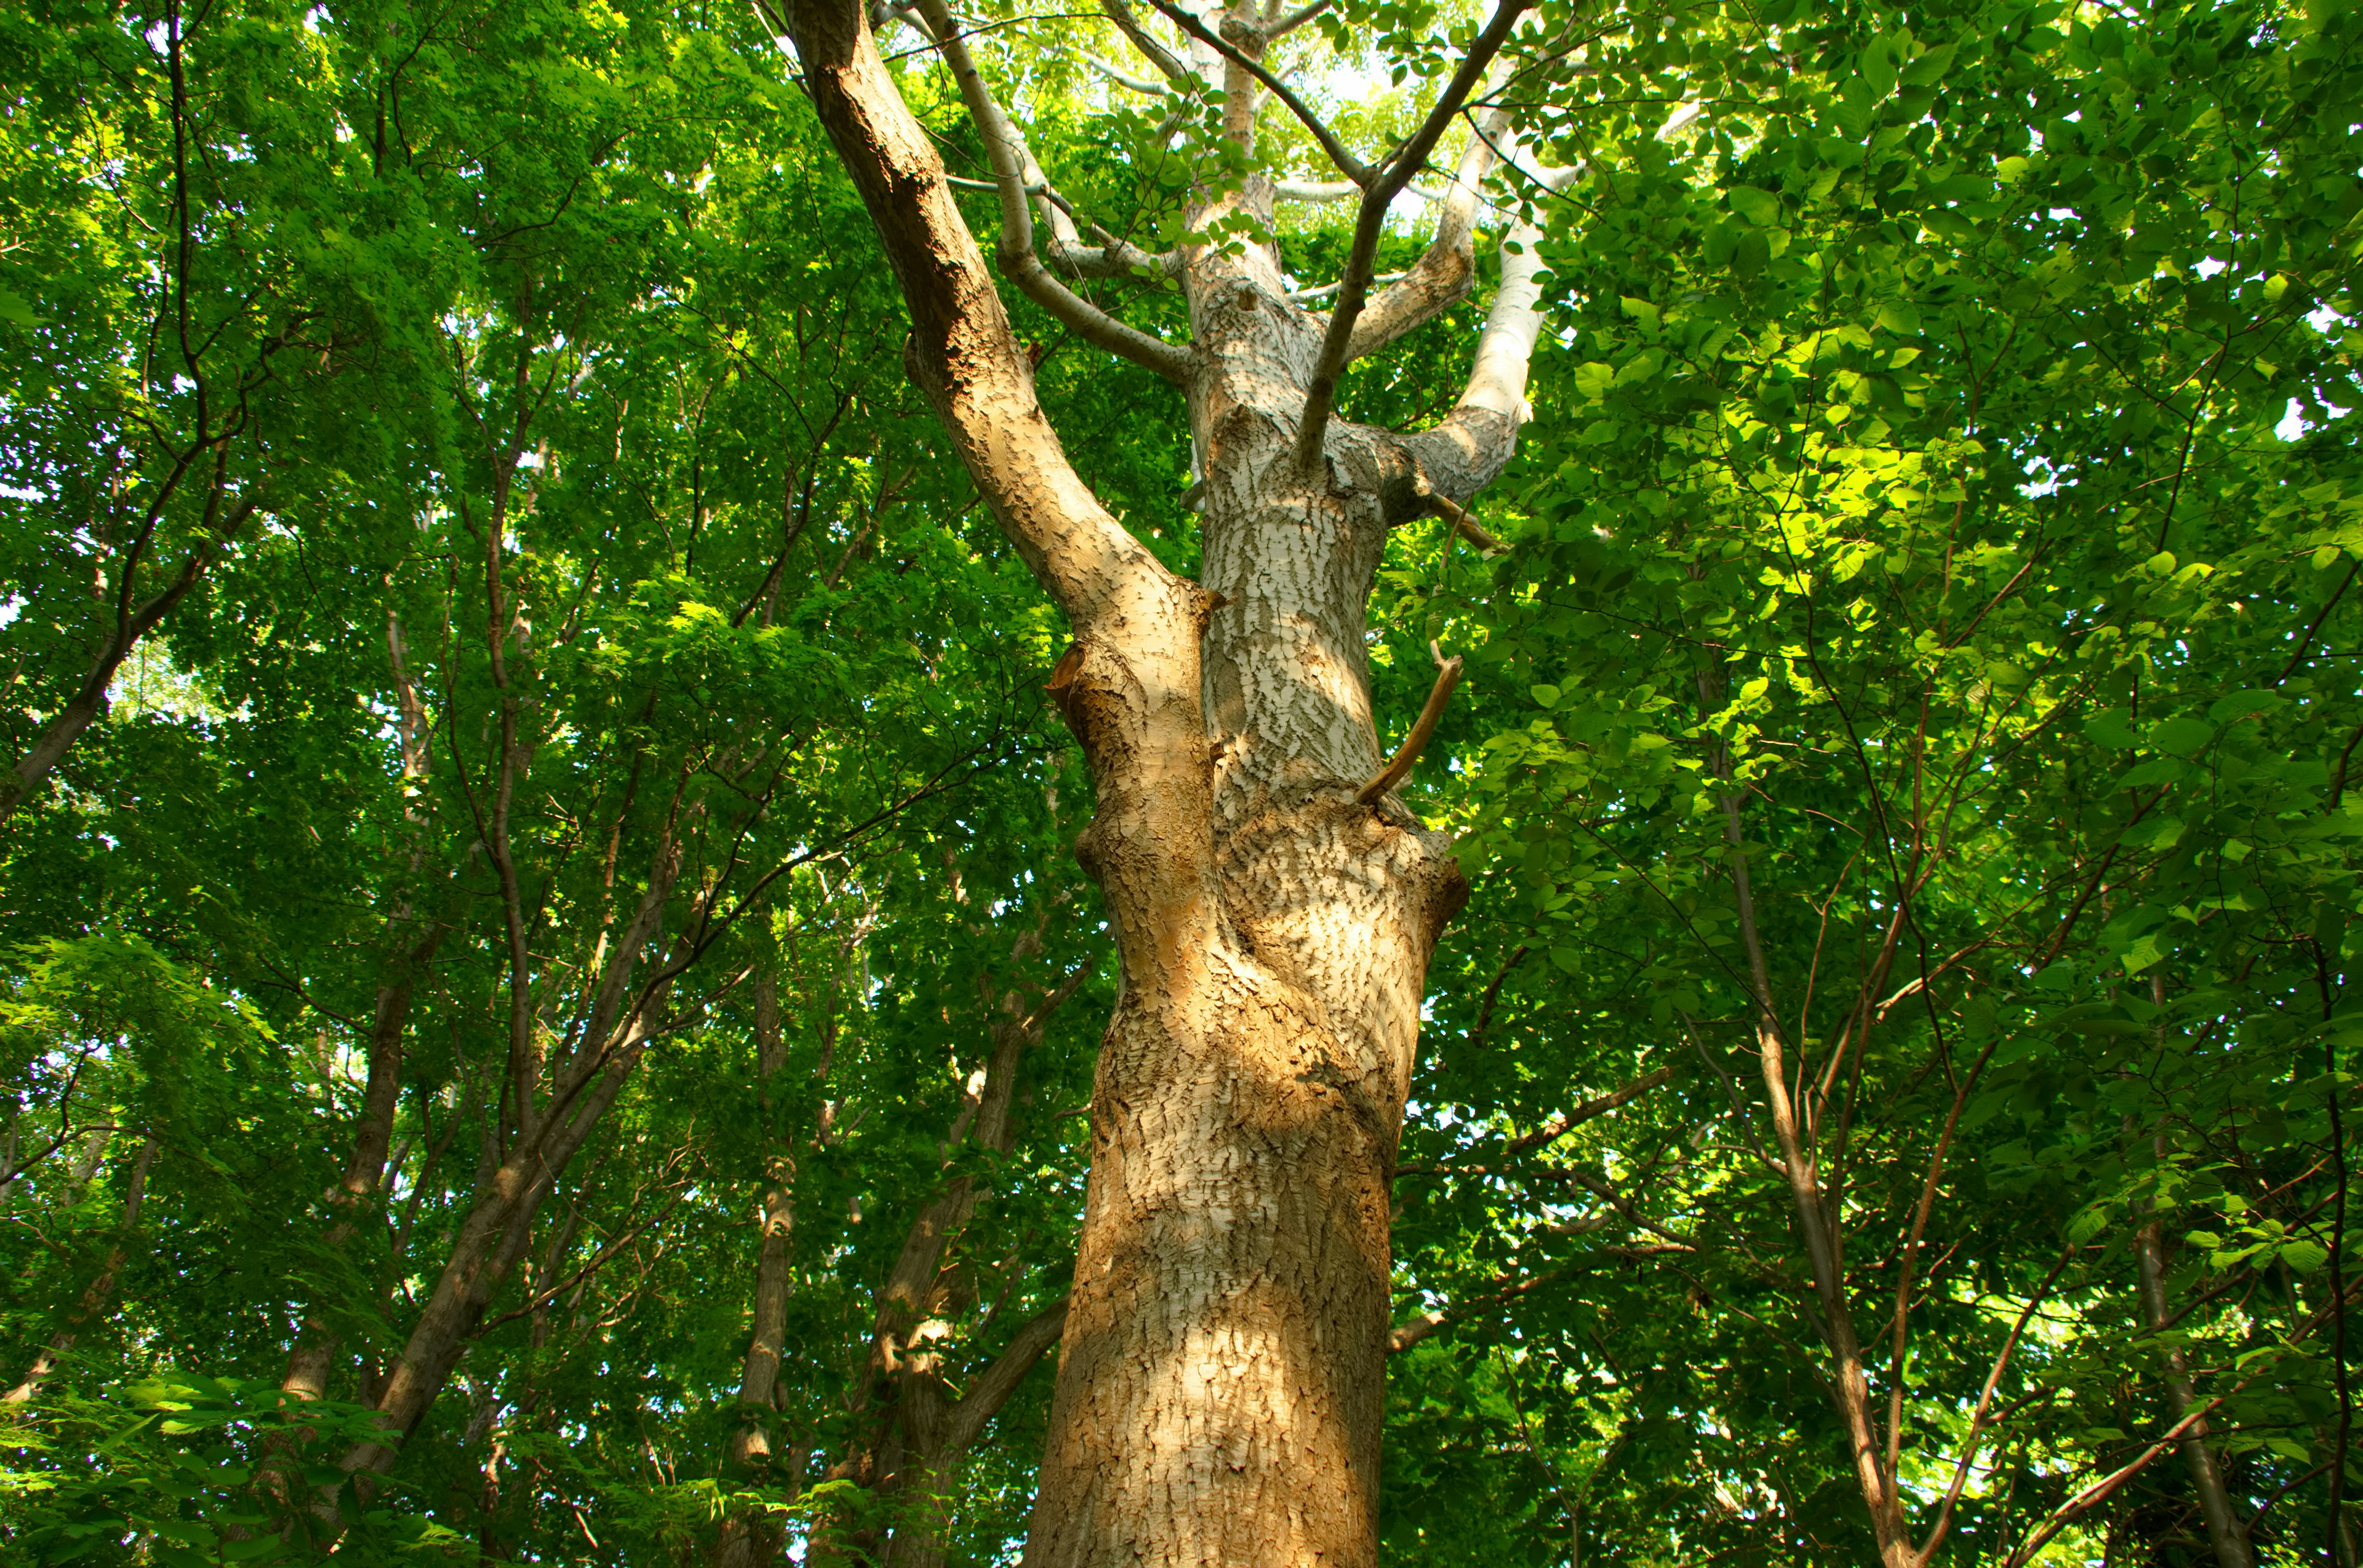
100 1292
2224 1533
747 1537
313 1354
1222 1370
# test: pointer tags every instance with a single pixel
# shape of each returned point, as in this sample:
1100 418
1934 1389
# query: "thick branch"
1167 64
131 625
994 1385
1080 553
1463 452
1123 79
1442 276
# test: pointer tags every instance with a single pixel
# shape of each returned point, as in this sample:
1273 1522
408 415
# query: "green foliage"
1942 501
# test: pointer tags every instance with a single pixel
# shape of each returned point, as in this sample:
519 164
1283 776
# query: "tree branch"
1382 187
1442 276
1404 1336
1168 65
1447 675
1465 450
1123 79
1085 559
1339 153
991 1390
1015 170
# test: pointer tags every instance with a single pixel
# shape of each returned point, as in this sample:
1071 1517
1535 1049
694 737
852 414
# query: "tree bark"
747 1537
313 1358
314 1355
132 622
1221 1371
2224 1533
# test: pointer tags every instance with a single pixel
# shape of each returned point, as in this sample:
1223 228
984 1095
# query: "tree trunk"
747 1536
2224 1533
1221 1376
314 1355
100 1292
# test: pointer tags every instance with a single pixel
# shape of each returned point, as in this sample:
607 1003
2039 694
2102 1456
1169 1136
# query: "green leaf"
1759 207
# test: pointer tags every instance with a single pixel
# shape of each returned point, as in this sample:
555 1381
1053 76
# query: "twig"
1447 675
1466 526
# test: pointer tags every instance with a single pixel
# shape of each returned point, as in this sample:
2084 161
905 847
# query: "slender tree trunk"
314 1355
749 1537
2224 1533
492 1239
99 1294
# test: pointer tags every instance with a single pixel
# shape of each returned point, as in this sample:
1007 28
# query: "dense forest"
1189 782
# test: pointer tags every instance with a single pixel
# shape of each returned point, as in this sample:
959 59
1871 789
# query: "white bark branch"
1124 80
1304 296
1169 65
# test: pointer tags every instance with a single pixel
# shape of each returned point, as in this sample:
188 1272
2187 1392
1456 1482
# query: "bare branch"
1508 1286
1466 526
1442 276
1130 83
1314 191
1167 64
1461 455
997 1382
1447 675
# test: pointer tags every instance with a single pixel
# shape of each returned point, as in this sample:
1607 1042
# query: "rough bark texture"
1222 1365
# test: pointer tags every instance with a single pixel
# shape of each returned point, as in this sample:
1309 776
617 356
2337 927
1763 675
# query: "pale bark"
1221 1361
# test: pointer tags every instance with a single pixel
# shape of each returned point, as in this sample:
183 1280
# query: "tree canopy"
549 998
